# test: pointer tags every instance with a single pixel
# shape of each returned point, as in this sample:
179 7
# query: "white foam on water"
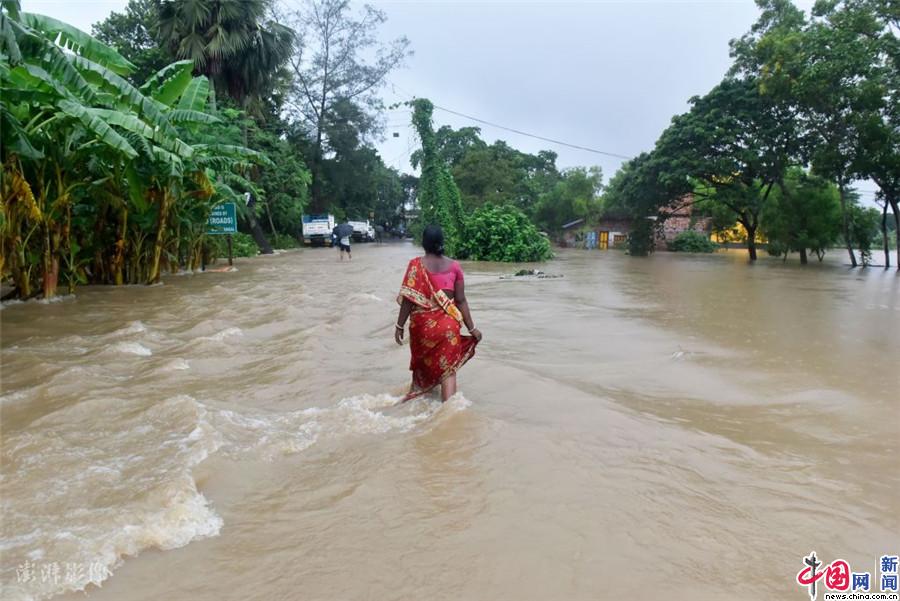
224 334
177 365
366 296
456 403
269 435
13 397
135 327
104 479
54 299
10 303
37 301
132 348
101 480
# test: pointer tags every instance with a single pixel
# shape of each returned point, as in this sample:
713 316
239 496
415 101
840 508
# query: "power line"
520 132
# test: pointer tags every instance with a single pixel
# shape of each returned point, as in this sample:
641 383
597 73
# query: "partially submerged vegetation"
103 182
809 106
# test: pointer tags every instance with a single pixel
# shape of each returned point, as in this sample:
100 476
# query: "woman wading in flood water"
433 297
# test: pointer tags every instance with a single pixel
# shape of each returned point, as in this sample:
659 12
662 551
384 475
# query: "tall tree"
452 144
234 44
803 213
878 120
495 173
837 60
640 188
330 67
736 141
575 196
390 196
133 34
839 76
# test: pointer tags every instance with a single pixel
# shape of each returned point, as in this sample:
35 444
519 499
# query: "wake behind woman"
433 298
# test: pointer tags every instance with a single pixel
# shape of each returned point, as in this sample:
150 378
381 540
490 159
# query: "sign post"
223 220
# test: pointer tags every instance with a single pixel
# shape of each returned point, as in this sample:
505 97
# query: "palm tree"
230 41
236 47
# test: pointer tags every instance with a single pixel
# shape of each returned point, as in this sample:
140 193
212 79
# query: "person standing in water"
433 298
344 244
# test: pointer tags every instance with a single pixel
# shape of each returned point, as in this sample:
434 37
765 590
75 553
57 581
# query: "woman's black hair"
433 240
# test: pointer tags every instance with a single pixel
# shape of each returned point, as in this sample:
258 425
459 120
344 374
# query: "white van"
317 229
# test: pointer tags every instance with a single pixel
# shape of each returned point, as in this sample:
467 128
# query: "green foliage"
803 213
864 231
77 42
638 190
439 198
281 186
500 174
822 91
351 177
692 242
390 196
499 179
242 245
340 62
776 248
503 233
453 144
131 33
232 43
575 195
283 241
101 182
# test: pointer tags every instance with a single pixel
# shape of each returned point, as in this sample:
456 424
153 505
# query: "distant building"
612 231
603 233
677 217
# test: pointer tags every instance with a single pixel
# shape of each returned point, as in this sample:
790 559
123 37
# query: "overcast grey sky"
606 75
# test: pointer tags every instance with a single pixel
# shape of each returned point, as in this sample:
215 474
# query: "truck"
317 229
361 231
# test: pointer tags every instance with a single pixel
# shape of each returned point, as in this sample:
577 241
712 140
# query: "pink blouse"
446 280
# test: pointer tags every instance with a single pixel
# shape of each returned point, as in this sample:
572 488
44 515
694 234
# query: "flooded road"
687 427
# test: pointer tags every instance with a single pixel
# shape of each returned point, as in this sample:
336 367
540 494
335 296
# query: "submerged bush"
282 241
503 233
243 245
776 249
692 242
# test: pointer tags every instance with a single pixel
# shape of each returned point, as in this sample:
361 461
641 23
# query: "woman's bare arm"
459 293
405 310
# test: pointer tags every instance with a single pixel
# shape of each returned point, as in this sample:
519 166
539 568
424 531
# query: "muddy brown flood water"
680 427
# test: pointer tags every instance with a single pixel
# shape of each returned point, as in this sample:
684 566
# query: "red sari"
437 347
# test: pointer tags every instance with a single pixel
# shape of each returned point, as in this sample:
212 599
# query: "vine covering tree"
439 199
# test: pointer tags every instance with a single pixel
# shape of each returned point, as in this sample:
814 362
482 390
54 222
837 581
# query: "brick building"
676 218
612 232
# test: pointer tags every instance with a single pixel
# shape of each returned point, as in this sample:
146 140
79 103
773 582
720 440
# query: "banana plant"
94 167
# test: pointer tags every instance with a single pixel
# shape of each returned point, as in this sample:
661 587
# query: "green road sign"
223 219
